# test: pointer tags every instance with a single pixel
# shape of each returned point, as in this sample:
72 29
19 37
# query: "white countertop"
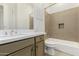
7 39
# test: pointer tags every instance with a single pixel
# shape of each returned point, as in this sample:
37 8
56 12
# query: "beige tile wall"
48 24
70 18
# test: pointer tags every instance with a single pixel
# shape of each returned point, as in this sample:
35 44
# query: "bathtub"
69 47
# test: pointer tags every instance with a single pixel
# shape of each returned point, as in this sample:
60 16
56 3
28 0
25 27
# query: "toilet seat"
50 42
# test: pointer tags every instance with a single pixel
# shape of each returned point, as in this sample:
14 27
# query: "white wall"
6 17
23 12
39 24
58 7
12 13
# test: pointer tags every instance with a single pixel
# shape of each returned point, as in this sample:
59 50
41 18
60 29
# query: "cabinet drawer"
24 52
8 48
39 38
40 48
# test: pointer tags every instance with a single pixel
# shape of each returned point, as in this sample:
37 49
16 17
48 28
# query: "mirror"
16 16
24 16
1 17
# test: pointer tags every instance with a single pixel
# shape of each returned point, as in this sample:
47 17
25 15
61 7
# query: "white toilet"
58 47
49 50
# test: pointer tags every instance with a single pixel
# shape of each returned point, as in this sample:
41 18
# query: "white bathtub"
68 47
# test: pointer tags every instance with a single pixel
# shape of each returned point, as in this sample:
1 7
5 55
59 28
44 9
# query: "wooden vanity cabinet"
27 47
40 46
27 51
13 47
40 49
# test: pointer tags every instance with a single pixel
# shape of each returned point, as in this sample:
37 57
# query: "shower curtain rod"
50 5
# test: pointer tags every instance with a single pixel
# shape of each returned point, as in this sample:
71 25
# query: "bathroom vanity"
23 45
16 38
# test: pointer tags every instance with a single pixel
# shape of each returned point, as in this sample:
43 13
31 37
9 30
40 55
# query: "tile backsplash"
64 24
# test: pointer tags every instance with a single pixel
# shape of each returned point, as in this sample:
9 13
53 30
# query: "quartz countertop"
7 39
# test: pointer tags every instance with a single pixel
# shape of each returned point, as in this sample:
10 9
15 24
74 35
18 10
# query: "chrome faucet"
8 31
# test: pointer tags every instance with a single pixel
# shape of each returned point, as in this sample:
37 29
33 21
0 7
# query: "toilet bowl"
49 49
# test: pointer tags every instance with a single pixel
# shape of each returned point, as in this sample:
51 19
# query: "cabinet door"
39 38
14 46
28 51
40 48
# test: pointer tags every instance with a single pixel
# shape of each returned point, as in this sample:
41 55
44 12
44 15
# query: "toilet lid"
50 42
